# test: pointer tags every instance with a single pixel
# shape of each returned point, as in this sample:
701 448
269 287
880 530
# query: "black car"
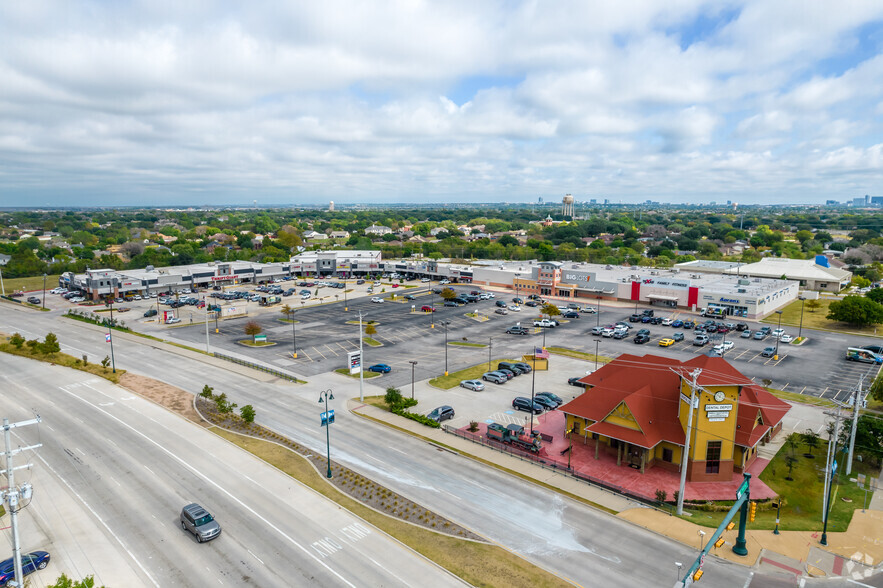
641 338
517 331
522 403
524 367
517 300
571 314
531 303
509 373
150 312
574 381
636 318
553 397
643 332
410 297
500 303
442 413
545 402
741 327
34 300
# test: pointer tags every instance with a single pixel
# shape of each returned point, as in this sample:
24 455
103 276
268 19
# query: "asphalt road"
132 465
577 542
816 368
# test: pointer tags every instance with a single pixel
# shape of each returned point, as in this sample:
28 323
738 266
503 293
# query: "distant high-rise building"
593 201
567 205
831 202
607 201
540 200
331 206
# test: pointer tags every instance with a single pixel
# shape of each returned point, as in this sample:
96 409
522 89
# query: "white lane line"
81 451
117 483
256 557
211 482
149 470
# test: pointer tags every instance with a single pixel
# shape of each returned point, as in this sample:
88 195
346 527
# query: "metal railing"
256 366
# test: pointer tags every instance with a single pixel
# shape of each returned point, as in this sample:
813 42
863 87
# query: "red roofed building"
638 408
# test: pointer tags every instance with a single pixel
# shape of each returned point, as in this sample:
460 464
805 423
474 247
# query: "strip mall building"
638 408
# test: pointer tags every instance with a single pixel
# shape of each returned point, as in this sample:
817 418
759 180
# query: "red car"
428 309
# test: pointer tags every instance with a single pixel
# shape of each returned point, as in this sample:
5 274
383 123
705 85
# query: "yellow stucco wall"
676 451
711 425
622 416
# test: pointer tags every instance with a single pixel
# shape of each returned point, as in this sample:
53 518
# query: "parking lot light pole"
293 338
490 345
44 292
802 302
207 349
345 309
599 311
597 342
446 323
110 337
779 336
327 395
413 363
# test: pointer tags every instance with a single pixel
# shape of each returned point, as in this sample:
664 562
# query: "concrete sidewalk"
859 550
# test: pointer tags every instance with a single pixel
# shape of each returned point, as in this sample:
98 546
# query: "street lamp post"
413 363
345 309
110 337
44 291
598 313
544 337
327 395
597 342
533 380
779 336
293 338
802 302
490 345
701 539
446 323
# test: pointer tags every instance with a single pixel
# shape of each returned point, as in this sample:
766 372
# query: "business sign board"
355 359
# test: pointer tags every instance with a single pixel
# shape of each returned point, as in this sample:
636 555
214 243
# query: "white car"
491 295
377 300
424 279
667 322
607 332
444 282
778 332
305 296
725 346
172 321
514 308
786 338
589 309
137 297
544 323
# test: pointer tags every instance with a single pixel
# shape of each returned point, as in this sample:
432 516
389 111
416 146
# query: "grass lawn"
467 344
802 398
65 360
578 354
802 505
815 320
372 342
346 372
480 564
453 379
256 343
30 284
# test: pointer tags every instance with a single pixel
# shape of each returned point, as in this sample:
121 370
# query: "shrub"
247 413
17 340
85 359
106 361
393 397
207 392
473 426
661 495
50 344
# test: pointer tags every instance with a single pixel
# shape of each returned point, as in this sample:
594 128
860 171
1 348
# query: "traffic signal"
752 511
731 526
719 542
697 575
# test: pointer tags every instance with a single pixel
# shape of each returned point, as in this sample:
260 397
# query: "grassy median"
474 372
480 564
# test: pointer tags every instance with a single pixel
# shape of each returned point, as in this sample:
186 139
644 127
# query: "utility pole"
361 363
829 473
685 456
12 495
857 400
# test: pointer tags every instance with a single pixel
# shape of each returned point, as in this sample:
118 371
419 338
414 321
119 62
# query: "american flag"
540 353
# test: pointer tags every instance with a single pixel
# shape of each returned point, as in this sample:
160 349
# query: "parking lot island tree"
550 310
253 329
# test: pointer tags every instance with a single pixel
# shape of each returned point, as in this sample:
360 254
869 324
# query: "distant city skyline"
165 104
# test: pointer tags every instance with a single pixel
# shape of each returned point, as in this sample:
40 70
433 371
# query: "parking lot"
325 333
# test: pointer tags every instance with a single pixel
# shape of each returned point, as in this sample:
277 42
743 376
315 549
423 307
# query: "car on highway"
545 402
516 330
641 338
768 352
377 300
427 308
667 342
441 413
553 397
198 521
786 338
522 403
677 336
495 377
30 563
476 385
380 368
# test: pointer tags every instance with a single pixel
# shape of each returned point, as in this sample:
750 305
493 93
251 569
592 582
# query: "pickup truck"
545 323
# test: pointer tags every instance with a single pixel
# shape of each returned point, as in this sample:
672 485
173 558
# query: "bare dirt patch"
174 399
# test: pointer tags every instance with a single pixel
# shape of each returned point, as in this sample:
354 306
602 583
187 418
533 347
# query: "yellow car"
666 342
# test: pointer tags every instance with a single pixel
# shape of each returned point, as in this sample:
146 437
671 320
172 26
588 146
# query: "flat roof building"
812 274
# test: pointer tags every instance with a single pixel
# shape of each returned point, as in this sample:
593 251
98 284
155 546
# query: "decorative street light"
490 345
802 302
293 338
446 323
413 363
597 342
327 419
44 291
110 337
779 335
598 313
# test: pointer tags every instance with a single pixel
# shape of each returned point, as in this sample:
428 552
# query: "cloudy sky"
200 102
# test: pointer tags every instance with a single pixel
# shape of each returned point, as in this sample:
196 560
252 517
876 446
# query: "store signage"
733 300
228 277
711 420
718 415
577 277
715 407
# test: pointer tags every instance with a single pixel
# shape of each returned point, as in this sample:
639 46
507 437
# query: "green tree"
50 344
370 329
207 392
550 310
64 582
813 304
869 437
507 240
286 310
17 340
448 294
247 413
810 439
790 462
393 397
253 329
860 282
876 391
856 310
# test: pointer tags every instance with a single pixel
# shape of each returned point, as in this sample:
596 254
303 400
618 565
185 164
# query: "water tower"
567 205
331 206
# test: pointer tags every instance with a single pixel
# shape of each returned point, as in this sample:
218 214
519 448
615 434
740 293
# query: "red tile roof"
649 387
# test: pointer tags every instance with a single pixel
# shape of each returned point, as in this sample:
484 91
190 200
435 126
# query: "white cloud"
360 101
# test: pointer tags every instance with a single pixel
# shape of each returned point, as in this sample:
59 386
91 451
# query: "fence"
551 465
256 366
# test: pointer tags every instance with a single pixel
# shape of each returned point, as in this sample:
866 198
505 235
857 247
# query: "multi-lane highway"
578 543
114 471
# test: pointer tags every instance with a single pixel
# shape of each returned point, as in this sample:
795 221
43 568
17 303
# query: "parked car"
514 308
768 352
571 314
522 403
639 339
524 367
150 312
517 330
441 413
620 333
636 318
427 308
878 349
667 342
746 334
545 402
553 397
546 323
500 303
778 332
377 300
700 340
198 521
759 335
517 300
410 297
677 336
380 368
34 300
451 303
575 381
494 377
508 373
173 321
597 330
786 338
677 323
643 332
476 385
30 563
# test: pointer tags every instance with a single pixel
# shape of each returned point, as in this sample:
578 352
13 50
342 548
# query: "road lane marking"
256 557
149 470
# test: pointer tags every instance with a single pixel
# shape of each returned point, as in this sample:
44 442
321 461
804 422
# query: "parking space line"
330 350
316 349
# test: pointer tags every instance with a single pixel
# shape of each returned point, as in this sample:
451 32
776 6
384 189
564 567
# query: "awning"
661 297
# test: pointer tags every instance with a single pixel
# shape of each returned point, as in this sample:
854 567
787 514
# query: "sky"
163 102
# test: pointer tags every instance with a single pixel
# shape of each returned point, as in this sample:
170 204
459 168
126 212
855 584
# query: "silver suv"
198 521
